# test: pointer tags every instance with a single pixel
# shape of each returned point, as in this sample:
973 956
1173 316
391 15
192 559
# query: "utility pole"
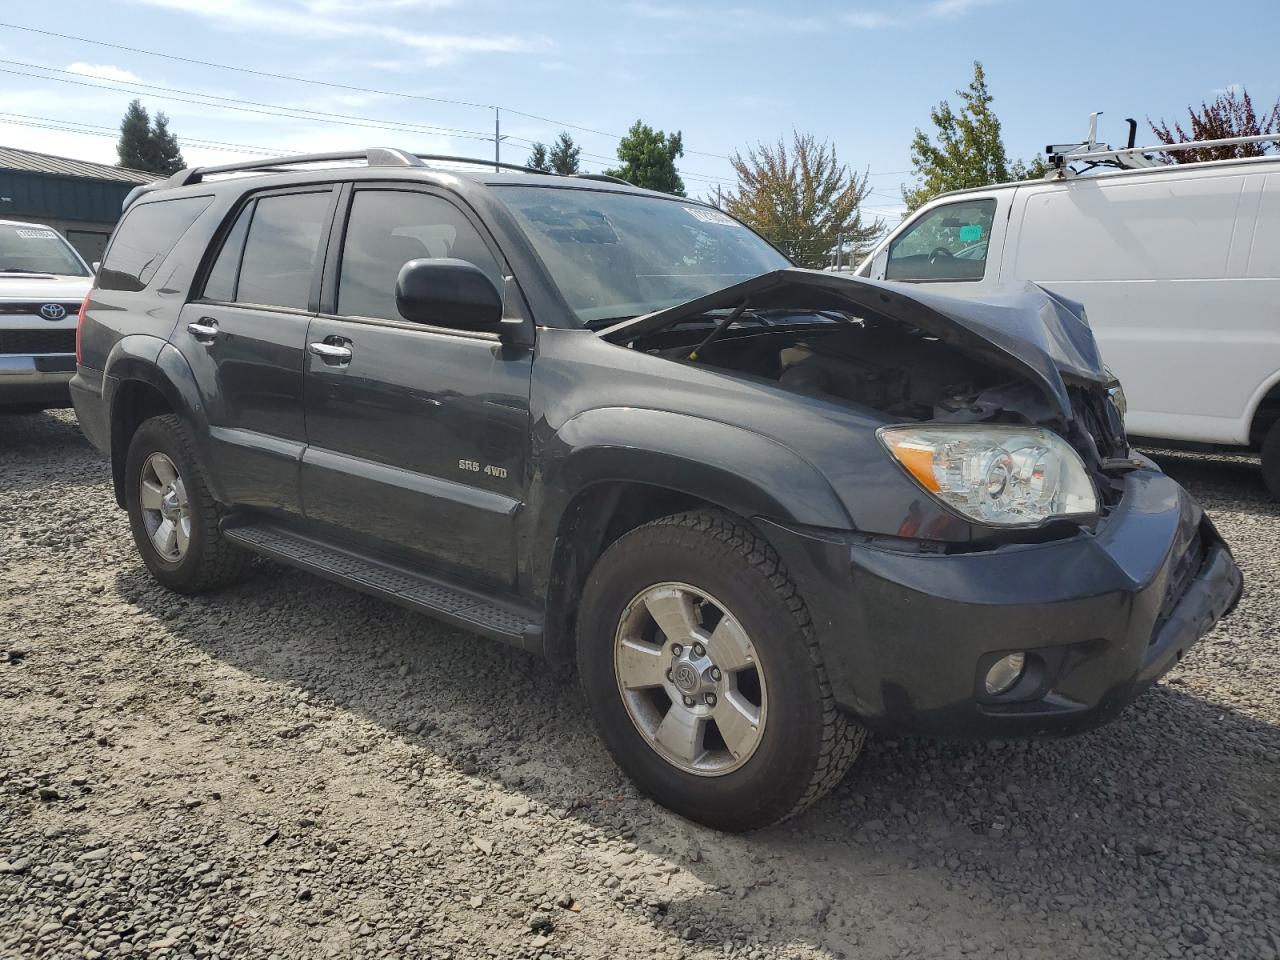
497 139
718 205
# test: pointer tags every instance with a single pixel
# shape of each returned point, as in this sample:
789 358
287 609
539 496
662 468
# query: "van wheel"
174 518
700 665
1271 460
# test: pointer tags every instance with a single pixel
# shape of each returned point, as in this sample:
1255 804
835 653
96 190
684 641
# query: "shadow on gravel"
1090 839
33 448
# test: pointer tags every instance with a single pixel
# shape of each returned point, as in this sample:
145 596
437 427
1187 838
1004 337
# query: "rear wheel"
700 665
174 517
1271 460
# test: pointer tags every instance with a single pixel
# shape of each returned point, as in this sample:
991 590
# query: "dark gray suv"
764 508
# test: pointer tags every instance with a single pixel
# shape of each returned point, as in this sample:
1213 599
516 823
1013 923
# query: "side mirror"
448 293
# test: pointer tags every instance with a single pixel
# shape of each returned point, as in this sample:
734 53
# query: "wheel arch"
618 470
1264 410
145 377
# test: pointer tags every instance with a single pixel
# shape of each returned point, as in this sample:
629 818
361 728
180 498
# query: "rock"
101 853
48 794
483 844
540 921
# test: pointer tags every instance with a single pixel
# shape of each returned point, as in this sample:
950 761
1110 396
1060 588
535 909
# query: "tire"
801 746
1271 460
207 560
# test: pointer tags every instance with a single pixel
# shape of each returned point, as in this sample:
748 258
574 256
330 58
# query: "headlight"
1003 476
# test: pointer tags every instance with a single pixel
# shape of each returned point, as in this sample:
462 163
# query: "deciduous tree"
802 198
1230 114
968 150
648 159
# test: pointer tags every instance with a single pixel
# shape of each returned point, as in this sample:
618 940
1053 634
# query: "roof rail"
374 157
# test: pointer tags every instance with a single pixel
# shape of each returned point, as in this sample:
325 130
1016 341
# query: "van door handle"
204 330
330 352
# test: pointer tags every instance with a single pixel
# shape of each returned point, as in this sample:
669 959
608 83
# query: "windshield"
29 248
616 255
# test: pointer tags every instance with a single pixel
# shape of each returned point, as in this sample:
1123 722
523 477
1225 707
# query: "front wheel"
700 665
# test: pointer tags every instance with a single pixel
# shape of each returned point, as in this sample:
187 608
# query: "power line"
221 102
329 83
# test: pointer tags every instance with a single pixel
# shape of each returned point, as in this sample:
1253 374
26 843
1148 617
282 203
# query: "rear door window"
144 238
387 229
947 243
281 250
221 282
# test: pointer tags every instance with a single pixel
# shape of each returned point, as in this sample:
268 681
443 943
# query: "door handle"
204 329
330 352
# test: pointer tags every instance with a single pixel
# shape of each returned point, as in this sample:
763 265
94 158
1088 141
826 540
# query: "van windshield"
31 248
618 255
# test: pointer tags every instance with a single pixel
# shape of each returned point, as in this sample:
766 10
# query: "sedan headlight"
1003 476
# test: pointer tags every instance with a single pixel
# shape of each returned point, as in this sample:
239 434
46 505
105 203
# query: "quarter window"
947 243
387 229
281 248
145 237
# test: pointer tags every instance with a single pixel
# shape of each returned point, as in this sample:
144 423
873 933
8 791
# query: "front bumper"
907 636
36 379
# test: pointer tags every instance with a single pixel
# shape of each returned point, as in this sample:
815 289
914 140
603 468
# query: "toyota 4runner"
764 508
42 285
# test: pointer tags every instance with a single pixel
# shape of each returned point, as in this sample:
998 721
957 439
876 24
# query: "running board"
436 598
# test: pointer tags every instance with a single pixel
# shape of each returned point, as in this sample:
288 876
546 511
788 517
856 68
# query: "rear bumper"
86 389
908 636
36 379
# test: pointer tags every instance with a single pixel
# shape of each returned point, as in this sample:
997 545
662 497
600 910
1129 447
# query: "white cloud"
902 16
337 18
104 71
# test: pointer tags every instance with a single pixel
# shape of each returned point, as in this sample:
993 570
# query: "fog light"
1005 672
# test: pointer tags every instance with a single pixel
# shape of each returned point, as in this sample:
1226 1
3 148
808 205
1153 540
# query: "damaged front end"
1023 365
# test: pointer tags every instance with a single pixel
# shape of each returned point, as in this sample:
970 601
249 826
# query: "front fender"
730 466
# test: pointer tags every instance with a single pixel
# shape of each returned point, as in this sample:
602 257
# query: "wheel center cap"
686 678
169 504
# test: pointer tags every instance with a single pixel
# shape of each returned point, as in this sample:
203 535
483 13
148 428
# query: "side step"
444 601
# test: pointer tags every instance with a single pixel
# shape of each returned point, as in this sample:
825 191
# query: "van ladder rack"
1094 154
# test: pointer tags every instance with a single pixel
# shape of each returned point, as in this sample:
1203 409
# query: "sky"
861 75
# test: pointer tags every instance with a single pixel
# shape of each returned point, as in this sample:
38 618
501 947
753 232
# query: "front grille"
37 341
31 308
1184 571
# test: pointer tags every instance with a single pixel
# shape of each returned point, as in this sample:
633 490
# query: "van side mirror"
448 293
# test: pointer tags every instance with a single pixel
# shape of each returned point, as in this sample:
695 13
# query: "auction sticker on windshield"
36 234
711 216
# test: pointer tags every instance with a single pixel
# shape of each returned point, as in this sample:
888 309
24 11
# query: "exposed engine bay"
886 366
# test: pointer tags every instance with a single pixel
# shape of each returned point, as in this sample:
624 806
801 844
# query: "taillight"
84 304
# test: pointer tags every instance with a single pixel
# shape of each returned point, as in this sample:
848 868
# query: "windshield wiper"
599 323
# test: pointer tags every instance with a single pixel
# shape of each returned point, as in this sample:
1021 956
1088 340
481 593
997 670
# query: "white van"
1178 268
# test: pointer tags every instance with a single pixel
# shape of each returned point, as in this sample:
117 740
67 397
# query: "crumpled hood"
1024 329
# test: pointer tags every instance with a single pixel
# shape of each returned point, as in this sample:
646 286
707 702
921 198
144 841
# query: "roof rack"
374 157
1095 154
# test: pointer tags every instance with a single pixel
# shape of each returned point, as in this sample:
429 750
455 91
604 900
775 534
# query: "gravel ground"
291 769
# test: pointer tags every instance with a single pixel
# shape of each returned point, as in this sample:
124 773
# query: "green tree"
165 154
1231 114
538 158
134 145
147 145
802 198
968 151
563 155
648 159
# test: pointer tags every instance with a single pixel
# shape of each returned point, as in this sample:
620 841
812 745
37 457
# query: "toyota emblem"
53 311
